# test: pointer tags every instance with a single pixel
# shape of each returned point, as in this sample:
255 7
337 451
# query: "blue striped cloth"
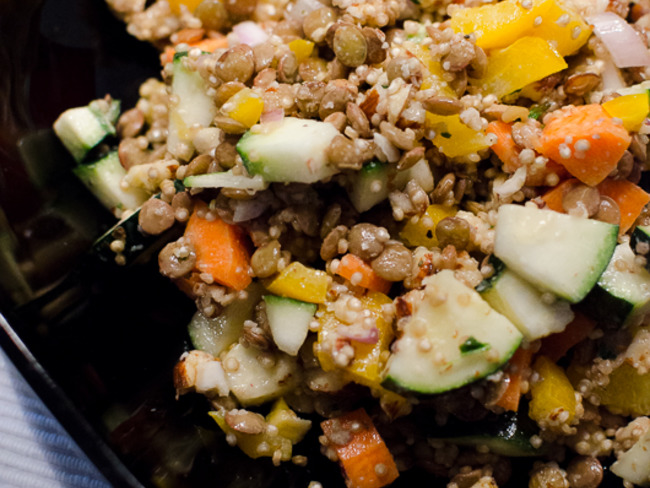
35 451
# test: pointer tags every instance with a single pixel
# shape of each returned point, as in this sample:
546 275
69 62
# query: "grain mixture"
384 206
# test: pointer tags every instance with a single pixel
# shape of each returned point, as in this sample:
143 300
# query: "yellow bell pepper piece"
369 359
302 283
631 109
527 60
500 24
245 106
627 392
553 394
453 138
564 28
191 5
302 48
289 425
423 232
254 446
433 73
290 430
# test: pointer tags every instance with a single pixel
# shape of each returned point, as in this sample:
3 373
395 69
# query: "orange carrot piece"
220 250
557 345
351 264
553 198
364 457
208 45
505 148
630 199
585 140
508 152
518 364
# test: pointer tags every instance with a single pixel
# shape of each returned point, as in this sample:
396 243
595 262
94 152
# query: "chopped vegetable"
628 392
501 24
630 198
364 457
245 106
525 61
370 340
557 345
208 45
453 137
220 250
302 48
514 372
625 46
552 396
301 283
631 109
585 140
355 269
422 232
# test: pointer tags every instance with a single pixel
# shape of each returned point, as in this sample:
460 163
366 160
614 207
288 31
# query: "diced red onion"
249 32
245 210
621 40
274 115
366 336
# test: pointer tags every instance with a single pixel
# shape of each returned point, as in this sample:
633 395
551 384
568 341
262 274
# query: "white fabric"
35 451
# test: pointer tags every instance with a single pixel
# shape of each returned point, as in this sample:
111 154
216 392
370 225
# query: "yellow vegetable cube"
553 397
302 283
527 60
289 425
302 48
245 106
423 232
495 25
175 5
628 392
453 138
631 109
500 24
254 446
369 358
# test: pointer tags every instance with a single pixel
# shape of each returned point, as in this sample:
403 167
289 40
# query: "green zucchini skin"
622 294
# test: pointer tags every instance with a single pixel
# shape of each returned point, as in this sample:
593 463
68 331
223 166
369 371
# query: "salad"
415 229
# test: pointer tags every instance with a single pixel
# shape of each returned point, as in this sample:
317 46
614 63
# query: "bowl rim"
91 443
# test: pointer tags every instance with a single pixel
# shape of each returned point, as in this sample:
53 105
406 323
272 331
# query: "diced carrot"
518 364
364 457
586 140
208 45
355 269
557 345
630 199
508 152
553 198
220 250
505 147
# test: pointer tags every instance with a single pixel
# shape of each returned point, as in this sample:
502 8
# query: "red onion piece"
249 32
245 210
366 336
621 40
274 115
